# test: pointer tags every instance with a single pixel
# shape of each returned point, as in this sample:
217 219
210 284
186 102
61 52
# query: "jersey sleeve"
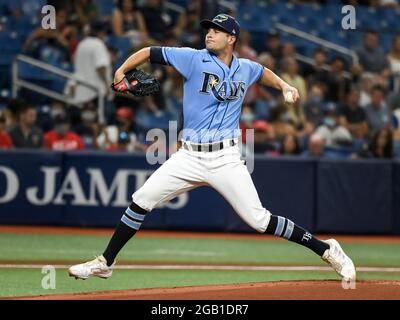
256 71
180 58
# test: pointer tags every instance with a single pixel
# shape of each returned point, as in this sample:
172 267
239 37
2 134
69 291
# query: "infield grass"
47 249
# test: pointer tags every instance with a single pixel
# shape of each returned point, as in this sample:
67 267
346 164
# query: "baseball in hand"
289 97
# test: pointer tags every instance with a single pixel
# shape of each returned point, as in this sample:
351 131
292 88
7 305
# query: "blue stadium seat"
396 149
106 7
123 44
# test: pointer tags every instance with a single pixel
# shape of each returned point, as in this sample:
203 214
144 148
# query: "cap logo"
220 18
233 31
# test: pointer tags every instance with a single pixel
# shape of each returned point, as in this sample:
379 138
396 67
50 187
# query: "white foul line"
209 267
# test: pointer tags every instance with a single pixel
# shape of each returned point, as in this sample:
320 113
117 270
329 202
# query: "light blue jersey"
213 93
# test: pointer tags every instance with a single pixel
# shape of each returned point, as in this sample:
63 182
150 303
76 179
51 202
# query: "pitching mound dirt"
283 290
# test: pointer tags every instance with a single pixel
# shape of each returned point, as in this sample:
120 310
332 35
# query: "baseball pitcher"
215 84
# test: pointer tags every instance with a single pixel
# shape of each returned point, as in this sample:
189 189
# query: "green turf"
21 247
52 248
21 282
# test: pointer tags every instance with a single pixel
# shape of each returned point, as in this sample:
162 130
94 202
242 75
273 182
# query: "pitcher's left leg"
234 183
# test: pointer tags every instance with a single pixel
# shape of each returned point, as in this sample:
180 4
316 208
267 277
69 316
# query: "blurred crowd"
347 110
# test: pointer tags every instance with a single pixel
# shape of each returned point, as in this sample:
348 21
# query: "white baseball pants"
222 170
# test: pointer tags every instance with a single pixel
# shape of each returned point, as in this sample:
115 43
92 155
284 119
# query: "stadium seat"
396 149
123 44
105 7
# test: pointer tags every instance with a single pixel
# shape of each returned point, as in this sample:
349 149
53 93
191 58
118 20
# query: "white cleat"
339 261
97 267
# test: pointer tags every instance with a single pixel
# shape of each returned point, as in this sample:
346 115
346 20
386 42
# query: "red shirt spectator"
5 141
61 138
67 142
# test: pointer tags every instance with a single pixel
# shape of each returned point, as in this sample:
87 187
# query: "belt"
207 147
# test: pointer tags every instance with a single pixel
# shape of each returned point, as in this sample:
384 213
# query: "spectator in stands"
295 112
393 100
316 147
371 57
381 146
25 134
108 139
290 145
331 131
273 45
173 92
86 11
378 114
390 4
281 121
366 83
267 97
316 71
159 23
89 128
186 30
353 117
14 107
267 60
93 65
53 45
396 132
394 56
127 20
61 138
47 114
314 106
336 85
247 117
263 136
291 75
288 50
244 48
21 8
123 143
5 139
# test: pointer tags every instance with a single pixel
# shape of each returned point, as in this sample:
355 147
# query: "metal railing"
18 83
322 42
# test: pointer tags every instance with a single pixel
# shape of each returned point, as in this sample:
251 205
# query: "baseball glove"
138 83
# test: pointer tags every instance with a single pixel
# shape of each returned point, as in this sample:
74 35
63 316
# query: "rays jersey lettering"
213 92
212 85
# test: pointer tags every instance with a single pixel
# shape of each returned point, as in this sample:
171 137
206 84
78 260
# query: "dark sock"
125 230
285 228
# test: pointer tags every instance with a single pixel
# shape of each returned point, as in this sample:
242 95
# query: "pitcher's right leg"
178 174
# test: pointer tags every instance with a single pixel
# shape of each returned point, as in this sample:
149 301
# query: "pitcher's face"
218 40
